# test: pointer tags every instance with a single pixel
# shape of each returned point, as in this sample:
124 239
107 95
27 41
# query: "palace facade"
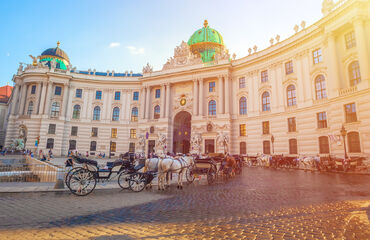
293 97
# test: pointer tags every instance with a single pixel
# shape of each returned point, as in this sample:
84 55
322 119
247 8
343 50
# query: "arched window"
354 73
93 146
291 95
96 113
320 86
293 148
354 142
30 108
266 101
76 111
243 148
157 111
243 106
134 114
115 116
212 108
72 144
324 144
55 108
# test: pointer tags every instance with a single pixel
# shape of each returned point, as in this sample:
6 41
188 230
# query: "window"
93 146
30 108
157 111
243 130
350 110
113 147
50 143
266 147
78 93
55 107
117 95
72 144
96 115
33 89
52 128
114 133
132 133
321 120
293 148
212 86
354 142
243 106
212 108
264 76
291 95
134 114
98 95
74 131
243 147
291 124
136 96
323 144
242 82
266 101
76 112
289 67
317 56
58 91
354 73
157 93
320 86
265 127
131 147
115 115
94 132
350 40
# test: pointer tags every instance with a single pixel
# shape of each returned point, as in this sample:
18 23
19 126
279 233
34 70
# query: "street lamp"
343 132
272 141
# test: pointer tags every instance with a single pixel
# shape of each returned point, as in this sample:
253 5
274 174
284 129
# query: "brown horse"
231 163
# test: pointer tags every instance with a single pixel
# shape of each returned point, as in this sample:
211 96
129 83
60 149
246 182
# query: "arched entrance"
181 132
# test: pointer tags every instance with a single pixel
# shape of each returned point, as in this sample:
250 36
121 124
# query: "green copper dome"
57 54
206 42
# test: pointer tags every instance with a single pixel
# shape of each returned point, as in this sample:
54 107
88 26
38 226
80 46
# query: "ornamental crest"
182 56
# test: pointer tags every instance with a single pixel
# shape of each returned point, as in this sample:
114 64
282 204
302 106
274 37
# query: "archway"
181 132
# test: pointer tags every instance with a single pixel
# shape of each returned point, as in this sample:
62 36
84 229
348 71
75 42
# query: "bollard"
59 184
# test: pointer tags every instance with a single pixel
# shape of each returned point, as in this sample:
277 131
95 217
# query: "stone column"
124 104
108 115
128 104
23 99
251 101
15 98
220 90
195 97
235 100
37 102
69 103
300 84
333 78
227 94
89 111
147 103
42 98
163 100
168 92
65 100
142 102
363 56
48 98
201 100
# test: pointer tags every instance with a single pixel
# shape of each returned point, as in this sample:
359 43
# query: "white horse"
173 165
305 162
263 160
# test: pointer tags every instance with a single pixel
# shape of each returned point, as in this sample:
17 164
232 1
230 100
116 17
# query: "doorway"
182 132
209 145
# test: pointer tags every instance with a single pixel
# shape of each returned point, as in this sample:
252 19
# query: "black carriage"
202 166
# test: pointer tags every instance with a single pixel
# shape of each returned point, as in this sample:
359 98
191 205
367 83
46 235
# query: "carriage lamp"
343 132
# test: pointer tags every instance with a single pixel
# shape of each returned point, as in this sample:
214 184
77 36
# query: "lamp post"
343 132
272 141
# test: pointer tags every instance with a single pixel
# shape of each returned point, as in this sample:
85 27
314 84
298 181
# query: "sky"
126 35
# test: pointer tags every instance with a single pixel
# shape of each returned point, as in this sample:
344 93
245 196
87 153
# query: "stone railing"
45 171
347 91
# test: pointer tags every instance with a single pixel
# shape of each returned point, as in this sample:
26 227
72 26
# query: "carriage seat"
86 161
139 166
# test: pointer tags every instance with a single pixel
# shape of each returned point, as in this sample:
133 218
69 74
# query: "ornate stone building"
292 97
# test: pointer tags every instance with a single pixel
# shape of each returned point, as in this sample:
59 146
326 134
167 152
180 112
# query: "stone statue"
17 144
53 63
147 69
20 68
34 60
141 143
327 6
195 144
222 140
161 146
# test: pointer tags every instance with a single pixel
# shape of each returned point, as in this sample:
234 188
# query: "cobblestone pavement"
260 204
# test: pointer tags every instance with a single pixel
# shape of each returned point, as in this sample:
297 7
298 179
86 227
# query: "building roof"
5 93
56 52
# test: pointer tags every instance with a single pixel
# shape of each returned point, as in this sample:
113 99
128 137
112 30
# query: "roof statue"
147 69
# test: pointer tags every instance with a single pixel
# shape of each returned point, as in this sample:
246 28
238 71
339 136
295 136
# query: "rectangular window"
243 130
33 89
131 147
52 128
74 131
133 133
58 91
291 124
289 67
117 95
50 143
293 148
157 93
324 145
94 132
242 82
317 56
78 93
350 40
93 146
321 120
136 96
266 127
264 76
98 95
114 133
113 146
350 110
212 86
266 147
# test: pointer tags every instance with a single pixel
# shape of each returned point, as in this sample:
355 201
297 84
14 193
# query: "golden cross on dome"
58 43
205 23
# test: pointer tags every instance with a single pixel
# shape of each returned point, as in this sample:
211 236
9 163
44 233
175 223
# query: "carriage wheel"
81 182
124 180
190 175
69 174
137 182
211 175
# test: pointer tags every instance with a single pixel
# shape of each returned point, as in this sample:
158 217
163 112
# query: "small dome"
56 54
